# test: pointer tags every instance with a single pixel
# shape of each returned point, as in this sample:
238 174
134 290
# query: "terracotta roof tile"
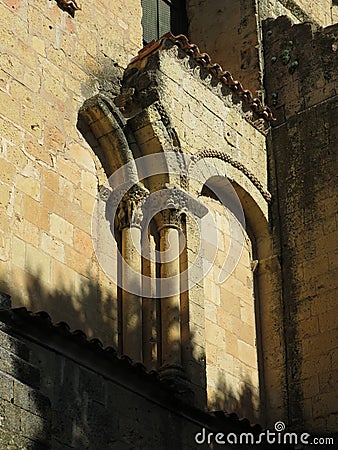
215 69
42 320
17 318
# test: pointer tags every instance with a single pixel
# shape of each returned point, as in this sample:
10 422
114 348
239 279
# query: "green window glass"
161 16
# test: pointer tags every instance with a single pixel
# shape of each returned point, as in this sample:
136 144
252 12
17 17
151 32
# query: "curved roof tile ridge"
79 336
215 69
42 320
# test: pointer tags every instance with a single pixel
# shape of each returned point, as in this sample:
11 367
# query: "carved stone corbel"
70 6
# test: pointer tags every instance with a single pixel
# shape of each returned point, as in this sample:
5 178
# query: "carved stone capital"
176 199
167 207
171 218
129 212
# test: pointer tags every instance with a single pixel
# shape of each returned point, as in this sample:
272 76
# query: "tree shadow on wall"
85 305
243 401
50 398
24 410
82 412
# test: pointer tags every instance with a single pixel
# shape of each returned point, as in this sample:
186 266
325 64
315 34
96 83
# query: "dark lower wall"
301 76
90 411
60 391
80 408
24 411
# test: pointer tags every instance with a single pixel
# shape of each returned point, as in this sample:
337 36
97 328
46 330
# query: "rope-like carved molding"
70 6
228 159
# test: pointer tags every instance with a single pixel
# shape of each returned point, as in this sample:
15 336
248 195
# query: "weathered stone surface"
51 66
52 166
223 19
304 159
90 404
13 345
24 411
13 365
5 301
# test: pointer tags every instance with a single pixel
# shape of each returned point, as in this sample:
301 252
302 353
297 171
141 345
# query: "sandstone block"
29 186
61 229
38 263
18 252
53 247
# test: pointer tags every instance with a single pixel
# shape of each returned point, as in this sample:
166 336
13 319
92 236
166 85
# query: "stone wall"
301 80
230 31
293 87
207 116
74 395
24 411
320 12
51 175
230 325
209 123
274 9
227 30
50 63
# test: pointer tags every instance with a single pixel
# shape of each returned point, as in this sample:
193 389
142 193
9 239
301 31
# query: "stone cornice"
204 60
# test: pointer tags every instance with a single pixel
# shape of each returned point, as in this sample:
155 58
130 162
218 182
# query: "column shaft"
131 303
149 310
170 306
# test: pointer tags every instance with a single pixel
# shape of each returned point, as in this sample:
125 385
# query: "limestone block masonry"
25 418
303 156
49 64
75 395
78 99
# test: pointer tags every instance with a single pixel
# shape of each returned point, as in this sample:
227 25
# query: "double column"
135 333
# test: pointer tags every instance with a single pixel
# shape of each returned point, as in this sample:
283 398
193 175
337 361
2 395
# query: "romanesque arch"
202 333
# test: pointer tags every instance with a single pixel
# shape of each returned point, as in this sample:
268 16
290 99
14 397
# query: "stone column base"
175 376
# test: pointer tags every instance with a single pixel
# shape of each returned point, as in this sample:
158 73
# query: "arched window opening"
221 189
230 316
161 16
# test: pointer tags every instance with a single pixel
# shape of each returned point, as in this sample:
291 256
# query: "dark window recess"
161 16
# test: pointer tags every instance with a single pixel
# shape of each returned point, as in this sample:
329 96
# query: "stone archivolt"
238 165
